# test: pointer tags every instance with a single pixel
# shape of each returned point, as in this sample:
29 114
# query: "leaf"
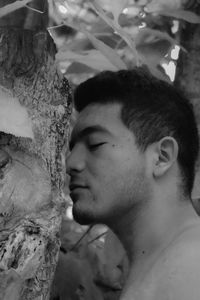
147 32
153 65
116 7
14 117
117 29
107 51
185 15
92 58
78 68
12 7
154 52
158 5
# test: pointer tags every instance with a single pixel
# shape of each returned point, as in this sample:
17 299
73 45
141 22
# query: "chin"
82 218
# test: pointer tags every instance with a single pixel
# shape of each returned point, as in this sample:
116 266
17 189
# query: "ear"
166 155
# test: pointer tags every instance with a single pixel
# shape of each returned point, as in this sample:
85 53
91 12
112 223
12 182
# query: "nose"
75 161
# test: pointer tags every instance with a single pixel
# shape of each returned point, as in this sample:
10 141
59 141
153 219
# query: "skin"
139 196
101 160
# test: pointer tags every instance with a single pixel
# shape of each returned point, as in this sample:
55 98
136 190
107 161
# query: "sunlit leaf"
153 66
92 58
117 29
116 7
158 73
153 45
14 117
12 7
185 15
107 51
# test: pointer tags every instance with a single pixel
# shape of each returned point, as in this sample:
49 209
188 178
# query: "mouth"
74 187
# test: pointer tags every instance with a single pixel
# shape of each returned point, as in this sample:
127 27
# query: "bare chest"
143 286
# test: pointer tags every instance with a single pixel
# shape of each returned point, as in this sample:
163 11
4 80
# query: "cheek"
118 169
127 184
108 164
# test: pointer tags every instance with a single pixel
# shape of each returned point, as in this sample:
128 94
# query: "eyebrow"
85 132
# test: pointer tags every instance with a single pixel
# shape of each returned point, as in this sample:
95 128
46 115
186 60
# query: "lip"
74 186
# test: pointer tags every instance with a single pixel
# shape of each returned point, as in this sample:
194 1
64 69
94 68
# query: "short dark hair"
151 108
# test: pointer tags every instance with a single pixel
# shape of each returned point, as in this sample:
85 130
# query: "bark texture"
32 171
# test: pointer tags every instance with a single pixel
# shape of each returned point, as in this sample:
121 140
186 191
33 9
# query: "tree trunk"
188 76
31 171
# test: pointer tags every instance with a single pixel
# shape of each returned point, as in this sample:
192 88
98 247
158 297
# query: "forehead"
105 115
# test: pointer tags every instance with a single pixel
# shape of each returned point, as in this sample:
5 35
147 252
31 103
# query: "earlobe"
166 155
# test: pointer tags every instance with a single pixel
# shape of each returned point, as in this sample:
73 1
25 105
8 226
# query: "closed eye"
95 146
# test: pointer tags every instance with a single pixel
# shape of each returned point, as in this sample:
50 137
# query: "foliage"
117 35
113 35
12 7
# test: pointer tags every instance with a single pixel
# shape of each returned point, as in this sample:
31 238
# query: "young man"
131 167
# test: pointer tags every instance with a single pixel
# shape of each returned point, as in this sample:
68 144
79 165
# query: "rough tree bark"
188 74
31 171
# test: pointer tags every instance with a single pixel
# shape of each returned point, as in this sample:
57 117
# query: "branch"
12 7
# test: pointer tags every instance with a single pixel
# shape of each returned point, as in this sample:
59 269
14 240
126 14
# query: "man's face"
106 168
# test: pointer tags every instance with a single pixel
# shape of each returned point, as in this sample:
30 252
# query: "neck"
146 230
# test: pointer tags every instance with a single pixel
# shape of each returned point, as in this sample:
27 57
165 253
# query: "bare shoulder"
186 246
180 268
